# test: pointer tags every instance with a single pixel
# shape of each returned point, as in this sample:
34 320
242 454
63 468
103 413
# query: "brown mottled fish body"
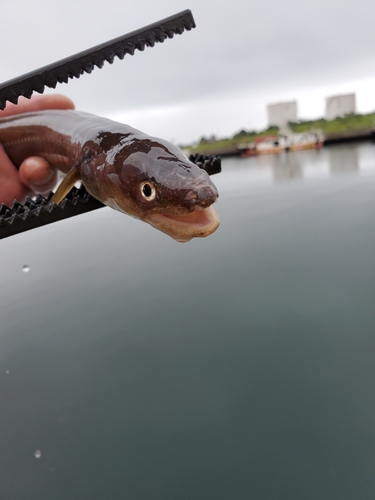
142 176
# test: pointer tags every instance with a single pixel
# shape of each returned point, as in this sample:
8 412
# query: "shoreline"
365 134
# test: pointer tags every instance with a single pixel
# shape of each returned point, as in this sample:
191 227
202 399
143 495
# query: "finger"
37 103
37 174
11 187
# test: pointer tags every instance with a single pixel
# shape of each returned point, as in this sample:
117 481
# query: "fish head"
152 180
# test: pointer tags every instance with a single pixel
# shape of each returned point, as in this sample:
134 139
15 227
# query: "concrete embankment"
350 135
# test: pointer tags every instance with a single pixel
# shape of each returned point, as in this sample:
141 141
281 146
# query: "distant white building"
281 113
339 106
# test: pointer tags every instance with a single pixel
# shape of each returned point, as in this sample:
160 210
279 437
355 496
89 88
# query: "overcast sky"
215 79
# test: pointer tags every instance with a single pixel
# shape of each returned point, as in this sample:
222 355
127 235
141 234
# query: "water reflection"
297 165
286 167
343 159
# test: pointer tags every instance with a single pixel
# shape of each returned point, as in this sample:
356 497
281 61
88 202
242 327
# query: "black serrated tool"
84 62
40 211
211 164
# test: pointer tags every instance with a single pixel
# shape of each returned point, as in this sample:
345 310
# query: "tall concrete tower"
339 106
281 113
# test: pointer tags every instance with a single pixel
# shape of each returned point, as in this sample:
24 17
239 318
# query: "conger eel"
144 177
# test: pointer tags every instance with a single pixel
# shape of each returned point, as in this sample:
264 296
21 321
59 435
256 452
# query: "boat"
286 140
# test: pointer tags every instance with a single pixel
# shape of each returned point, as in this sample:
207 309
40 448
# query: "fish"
142 176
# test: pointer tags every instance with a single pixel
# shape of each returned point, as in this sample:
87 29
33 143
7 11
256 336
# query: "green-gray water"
236 367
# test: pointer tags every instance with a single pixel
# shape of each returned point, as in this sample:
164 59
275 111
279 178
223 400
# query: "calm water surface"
237 367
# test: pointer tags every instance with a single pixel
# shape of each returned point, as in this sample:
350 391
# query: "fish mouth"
199 223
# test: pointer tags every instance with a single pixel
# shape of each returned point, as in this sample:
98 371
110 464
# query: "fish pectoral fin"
66 185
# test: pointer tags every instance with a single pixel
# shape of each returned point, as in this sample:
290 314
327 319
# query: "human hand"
35 175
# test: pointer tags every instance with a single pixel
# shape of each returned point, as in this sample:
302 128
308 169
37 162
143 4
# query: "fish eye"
148 191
